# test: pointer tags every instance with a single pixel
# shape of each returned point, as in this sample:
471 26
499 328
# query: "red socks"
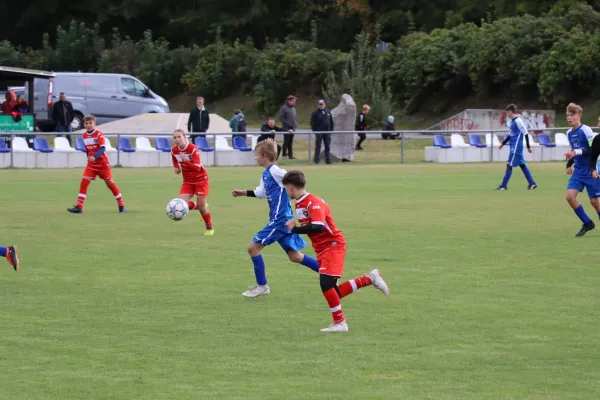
116 192
335 306
207 220
353 285
206 217
83 187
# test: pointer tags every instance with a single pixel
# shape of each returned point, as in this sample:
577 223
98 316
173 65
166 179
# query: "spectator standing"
322 121
241 125
289 122
362 125
63 115
199 120
272 129
233 123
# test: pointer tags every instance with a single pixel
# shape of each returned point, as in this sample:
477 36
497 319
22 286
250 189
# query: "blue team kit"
280 211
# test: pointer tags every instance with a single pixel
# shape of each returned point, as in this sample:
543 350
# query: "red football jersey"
188 160
311 209
93 141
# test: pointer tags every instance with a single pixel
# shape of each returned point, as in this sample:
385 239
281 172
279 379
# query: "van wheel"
77 123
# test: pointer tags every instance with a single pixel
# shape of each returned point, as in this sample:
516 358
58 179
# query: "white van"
106 96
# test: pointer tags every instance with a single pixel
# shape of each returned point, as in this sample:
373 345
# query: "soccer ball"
177 209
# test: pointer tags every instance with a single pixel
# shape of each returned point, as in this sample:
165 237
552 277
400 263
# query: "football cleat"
122 209
532 186
209 232
75 210
258 290
339 327
13 257
585 228
501 188
378 282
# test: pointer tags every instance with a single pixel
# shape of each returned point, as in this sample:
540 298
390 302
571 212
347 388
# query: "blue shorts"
281 234
515 160
578 182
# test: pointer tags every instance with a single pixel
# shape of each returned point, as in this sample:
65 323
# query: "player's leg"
254 249
292 243
11 255
332 295
527 173
575 186
593 190
201 191
507 175
88 176
106 174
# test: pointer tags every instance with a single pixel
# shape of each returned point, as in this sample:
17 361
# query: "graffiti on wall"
472 119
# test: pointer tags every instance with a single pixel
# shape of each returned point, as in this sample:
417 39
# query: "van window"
132 88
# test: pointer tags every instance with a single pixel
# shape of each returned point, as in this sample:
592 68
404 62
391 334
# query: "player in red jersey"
98 165
328 242
186 160
11 255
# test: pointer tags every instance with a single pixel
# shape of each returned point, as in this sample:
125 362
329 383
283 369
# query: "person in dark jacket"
198 121
362 125
389 126
322 121
21 105
289 122
63 115
272 129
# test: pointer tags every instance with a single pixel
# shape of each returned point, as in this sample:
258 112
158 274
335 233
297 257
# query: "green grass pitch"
491 295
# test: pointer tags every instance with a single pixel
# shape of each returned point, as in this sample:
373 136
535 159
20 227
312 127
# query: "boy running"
280 211
328 241
186 161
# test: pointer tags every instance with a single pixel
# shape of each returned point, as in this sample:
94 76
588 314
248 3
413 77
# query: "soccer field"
492 297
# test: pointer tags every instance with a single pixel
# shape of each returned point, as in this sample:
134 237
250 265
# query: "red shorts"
104 173
331 261
198 189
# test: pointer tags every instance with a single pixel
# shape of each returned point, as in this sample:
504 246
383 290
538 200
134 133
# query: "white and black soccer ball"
177 209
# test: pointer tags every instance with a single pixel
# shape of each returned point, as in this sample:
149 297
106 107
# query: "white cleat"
339 327
258 290
378 282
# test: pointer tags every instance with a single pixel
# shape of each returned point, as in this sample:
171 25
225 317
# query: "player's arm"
524 132
308 229
101 150
259 192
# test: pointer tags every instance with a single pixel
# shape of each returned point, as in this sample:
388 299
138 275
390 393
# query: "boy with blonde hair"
280 211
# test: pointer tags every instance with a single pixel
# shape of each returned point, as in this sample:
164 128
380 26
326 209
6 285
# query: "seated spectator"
272 129
21 105
389 126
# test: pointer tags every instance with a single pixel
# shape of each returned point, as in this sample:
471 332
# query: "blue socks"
527 174
259 270
311 263
582 215
3 251
259 267
507 176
